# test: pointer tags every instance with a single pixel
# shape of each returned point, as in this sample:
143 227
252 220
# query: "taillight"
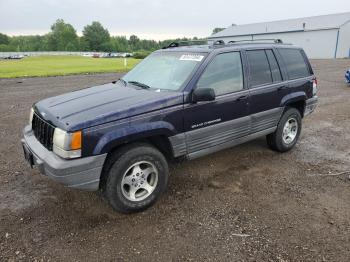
314 87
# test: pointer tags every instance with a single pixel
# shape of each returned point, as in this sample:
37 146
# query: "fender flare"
293 97
131 133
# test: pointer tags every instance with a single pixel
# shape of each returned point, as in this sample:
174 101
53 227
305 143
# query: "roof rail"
185 43
277 41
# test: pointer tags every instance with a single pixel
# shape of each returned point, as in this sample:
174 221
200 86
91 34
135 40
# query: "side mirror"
203 94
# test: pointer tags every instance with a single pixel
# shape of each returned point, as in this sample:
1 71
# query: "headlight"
67 145
31 116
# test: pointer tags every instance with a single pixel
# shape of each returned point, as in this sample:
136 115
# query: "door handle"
242 98
281 88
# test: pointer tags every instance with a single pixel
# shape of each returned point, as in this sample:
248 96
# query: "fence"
7 54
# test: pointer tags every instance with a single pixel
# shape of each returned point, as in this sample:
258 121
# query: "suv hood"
101 104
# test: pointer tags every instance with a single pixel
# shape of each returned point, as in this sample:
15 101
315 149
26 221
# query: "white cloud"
154 18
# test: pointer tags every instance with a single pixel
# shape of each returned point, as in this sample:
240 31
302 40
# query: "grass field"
62 65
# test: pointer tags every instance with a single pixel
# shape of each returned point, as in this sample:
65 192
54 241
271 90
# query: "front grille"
43 131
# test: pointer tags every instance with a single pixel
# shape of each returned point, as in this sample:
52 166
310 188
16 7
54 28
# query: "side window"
275 69
295 63
260 73
224 74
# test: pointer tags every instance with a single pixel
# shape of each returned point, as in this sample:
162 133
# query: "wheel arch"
160 142
296 100
155 133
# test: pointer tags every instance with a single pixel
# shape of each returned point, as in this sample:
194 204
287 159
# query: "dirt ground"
247 203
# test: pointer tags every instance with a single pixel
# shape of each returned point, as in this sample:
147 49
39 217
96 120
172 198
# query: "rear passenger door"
267 89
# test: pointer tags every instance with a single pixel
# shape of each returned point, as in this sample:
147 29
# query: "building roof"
321 22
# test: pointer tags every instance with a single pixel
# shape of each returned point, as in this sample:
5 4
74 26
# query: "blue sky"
154 19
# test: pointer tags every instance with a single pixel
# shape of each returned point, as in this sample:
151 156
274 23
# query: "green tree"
62 37
134 40
28 43
96 36
120 44
4 39
107 47
6 48
83 45
217 30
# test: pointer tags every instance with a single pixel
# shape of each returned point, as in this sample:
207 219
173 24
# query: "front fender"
293 97
131 133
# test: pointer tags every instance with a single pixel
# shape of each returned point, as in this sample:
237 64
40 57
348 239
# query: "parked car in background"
127 54
87 54
14 57
179 102
110 55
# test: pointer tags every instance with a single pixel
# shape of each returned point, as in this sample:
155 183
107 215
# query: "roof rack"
186 43
218 42
277 41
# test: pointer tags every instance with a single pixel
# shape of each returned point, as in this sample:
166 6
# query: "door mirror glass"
203 94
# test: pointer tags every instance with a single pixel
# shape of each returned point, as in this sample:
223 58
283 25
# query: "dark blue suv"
179 102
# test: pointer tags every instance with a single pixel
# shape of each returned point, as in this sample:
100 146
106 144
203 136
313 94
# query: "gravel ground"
247 203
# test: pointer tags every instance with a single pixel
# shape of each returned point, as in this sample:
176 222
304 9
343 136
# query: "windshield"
164 70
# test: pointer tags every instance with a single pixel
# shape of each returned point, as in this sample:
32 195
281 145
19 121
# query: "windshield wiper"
142 85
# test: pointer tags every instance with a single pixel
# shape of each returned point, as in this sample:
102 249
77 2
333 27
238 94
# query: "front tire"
137 176
287 133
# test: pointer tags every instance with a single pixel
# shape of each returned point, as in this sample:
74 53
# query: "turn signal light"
75 142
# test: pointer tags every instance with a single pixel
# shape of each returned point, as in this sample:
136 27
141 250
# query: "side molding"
178 143
235 142
202 141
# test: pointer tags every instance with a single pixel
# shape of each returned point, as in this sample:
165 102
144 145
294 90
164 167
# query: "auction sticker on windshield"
197 58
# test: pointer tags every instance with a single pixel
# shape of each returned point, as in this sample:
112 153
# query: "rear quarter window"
275 69
295 63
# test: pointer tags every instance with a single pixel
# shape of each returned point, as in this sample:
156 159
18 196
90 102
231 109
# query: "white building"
325 36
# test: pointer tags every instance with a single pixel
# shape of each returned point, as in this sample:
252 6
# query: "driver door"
214 123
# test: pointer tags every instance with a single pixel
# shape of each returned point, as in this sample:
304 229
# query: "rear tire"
136 177
287 133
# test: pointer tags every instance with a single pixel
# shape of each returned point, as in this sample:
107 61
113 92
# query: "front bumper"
83 173
310 105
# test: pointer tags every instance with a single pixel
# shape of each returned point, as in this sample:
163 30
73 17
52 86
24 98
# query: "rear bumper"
310 105
83 173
